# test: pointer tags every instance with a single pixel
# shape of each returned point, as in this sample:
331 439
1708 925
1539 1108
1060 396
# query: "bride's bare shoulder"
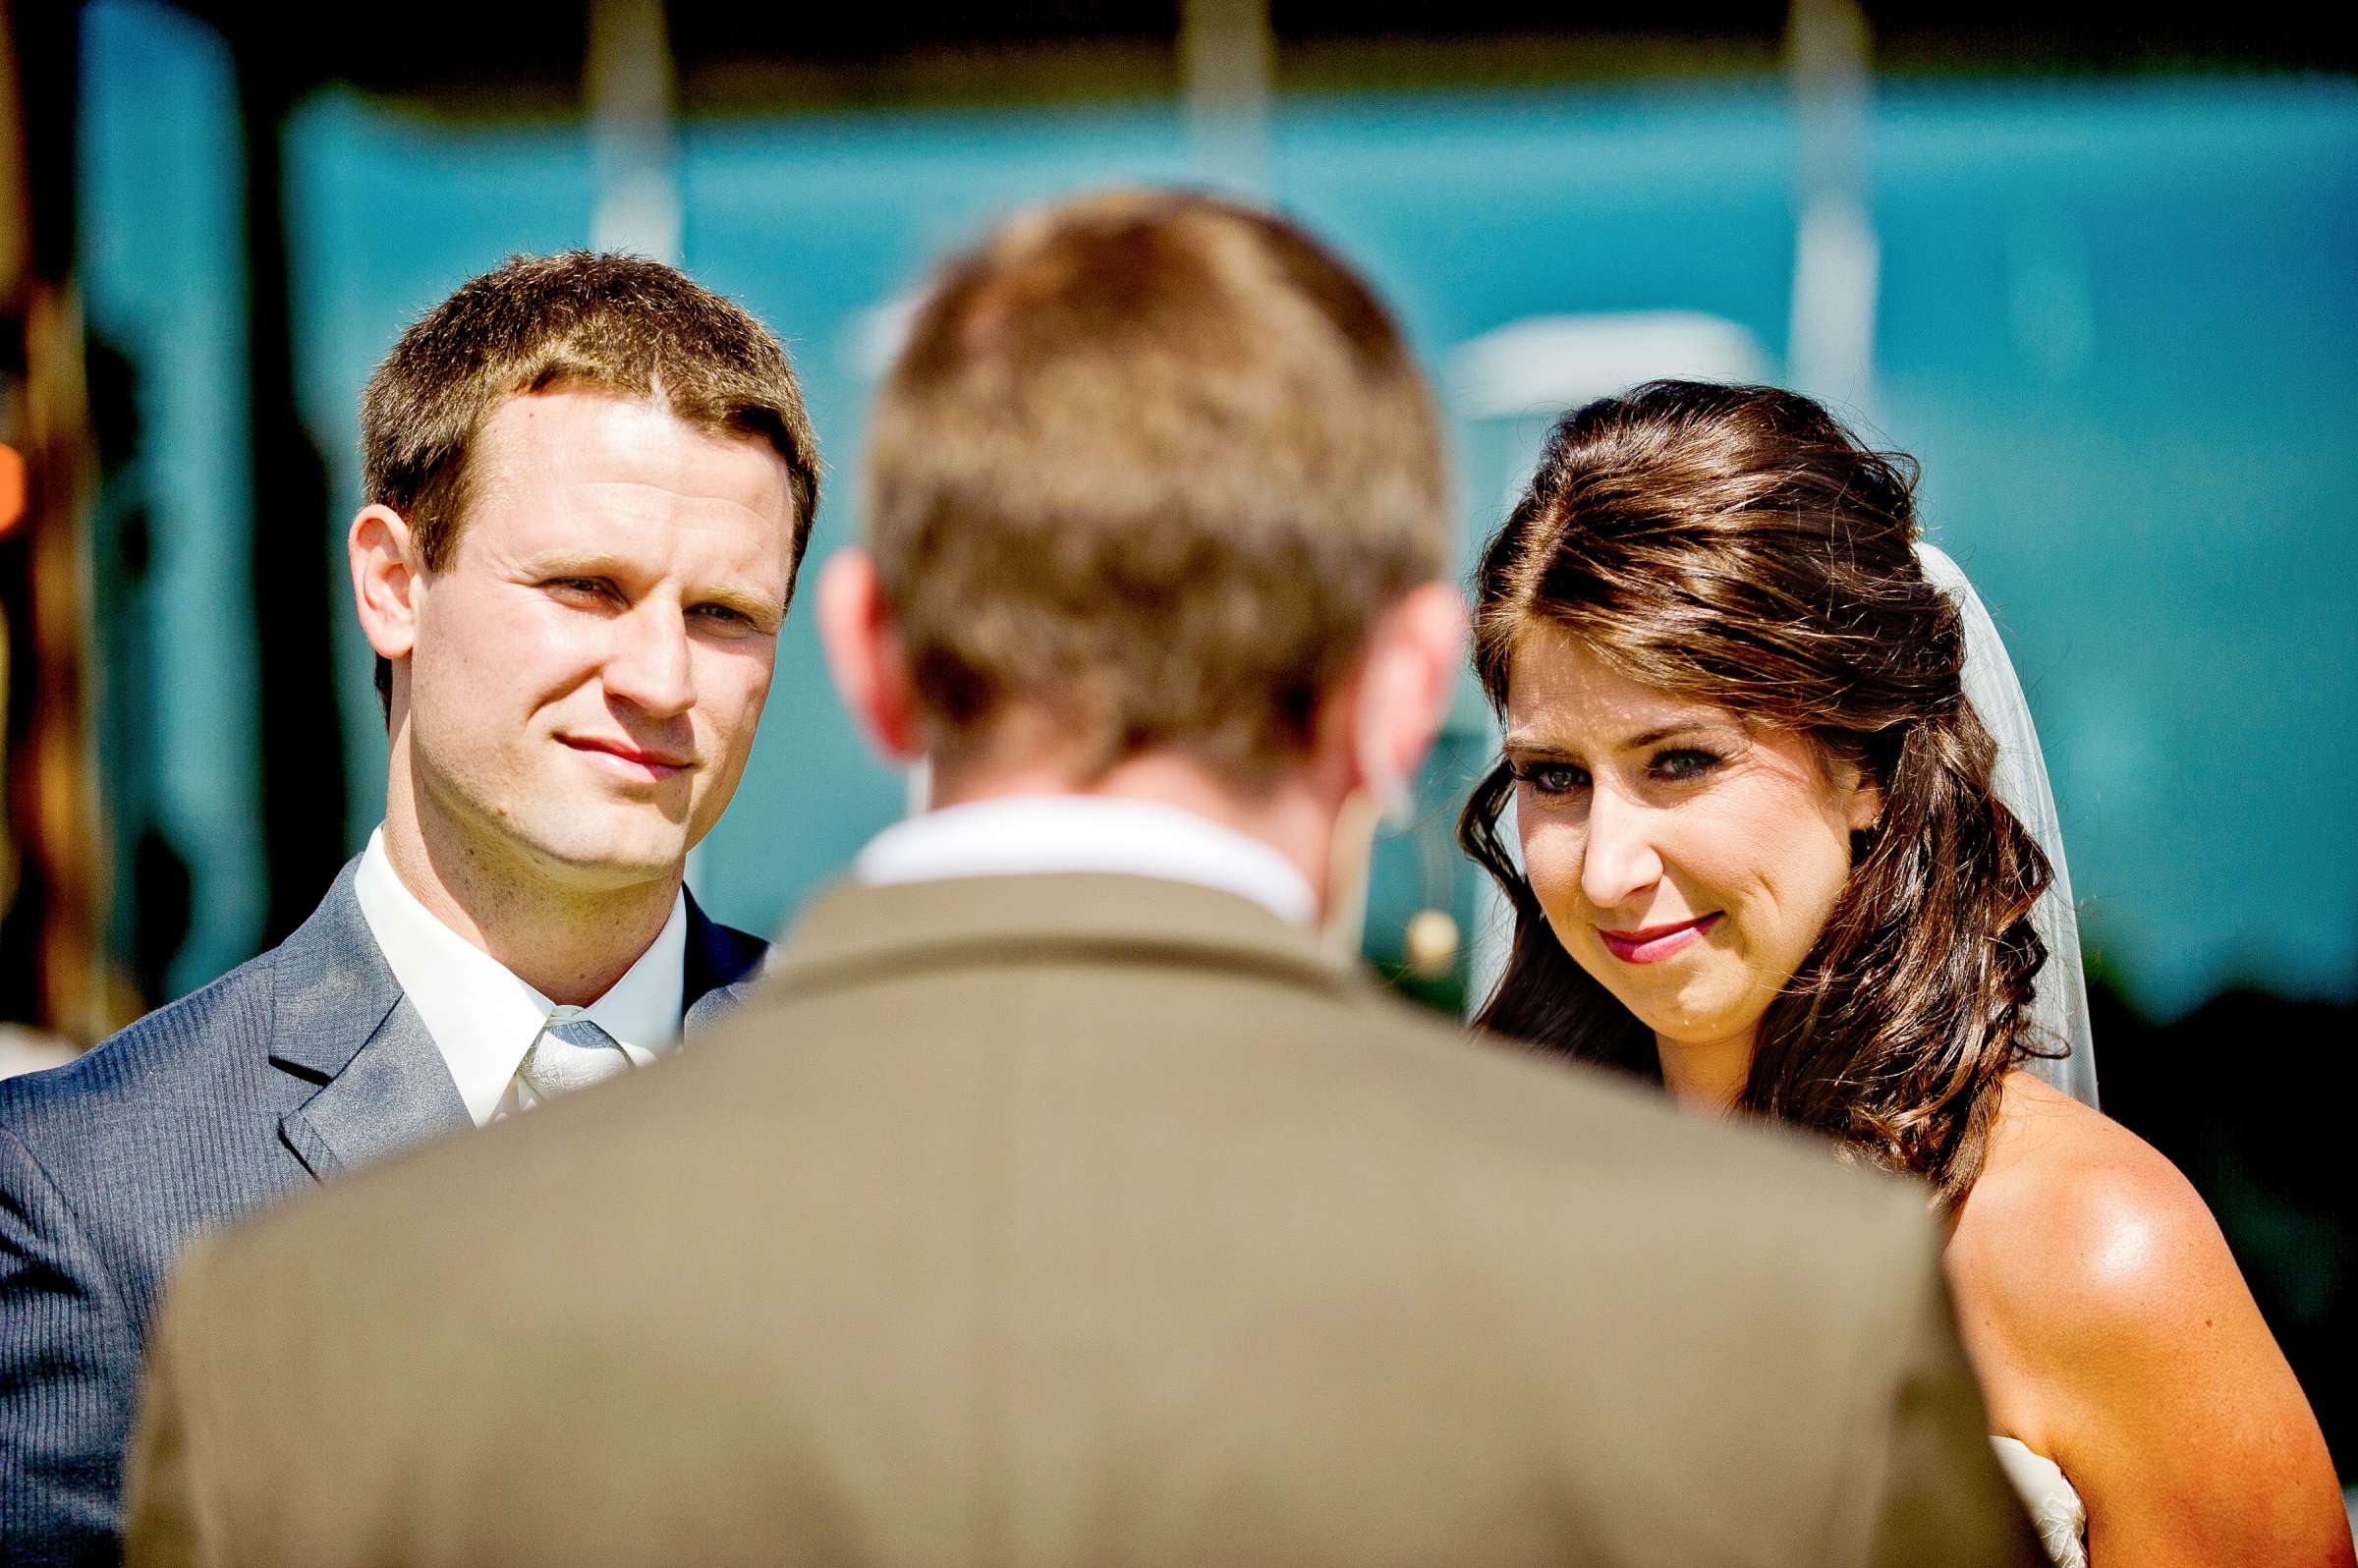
2080 1233
2114 1334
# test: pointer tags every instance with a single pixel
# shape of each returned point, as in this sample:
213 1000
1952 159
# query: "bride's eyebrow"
1524 744
1665 732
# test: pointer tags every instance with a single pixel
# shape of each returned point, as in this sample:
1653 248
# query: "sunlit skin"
575 691
2114 1332
2109 1324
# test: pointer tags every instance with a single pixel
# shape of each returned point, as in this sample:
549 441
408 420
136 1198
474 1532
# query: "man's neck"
1291 818
568 942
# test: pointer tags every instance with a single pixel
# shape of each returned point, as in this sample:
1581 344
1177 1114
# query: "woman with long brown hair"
1758 857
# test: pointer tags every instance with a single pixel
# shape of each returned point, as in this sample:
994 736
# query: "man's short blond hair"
1151 465
582 319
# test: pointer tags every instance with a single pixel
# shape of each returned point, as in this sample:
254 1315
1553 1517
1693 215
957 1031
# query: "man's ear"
1405 684
385 572
864 656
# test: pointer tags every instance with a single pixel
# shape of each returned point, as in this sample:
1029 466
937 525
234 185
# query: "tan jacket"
1077 1219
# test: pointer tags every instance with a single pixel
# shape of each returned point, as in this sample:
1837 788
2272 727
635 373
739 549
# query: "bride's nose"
1620 860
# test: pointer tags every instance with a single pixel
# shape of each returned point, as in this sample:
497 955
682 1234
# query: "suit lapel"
712 1008
340 1021
394 1092
721 967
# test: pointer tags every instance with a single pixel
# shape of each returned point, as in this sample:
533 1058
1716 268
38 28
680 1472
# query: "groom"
1068 1199
589 485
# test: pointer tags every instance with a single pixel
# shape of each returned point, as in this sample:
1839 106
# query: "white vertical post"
629 90
1836 261
1228 63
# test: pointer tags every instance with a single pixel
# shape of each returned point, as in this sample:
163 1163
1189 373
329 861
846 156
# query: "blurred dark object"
301 777
148 894
53 965
526 56
93 900
2248 1094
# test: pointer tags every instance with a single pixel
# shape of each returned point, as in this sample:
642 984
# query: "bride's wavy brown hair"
1737 545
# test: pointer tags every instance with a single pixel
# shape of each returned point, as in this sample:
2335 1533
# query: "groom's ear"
385 573
1400 694
864 656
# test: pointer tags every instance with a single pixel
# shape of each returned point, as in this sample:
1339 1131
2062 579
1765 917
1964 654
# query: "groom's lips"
631 761
1652 945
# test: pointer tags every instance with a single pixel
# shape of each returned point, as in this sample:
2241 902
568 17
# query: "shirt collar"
480 1016
1046 834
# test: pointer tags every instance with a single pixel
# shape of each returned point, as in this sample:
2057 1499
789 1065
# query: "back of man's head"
610 323
1151 468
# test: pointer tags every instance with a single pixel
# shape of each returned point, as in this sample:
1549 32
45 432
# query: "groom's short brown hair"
609 322
1149 464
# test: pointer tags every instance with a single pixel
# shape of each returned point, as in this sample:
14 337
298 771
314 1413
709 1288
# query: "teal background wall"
2116 325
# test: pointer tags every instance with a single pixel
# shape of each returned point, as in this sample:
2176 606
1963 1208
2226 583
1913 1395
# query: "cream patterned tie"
570 1053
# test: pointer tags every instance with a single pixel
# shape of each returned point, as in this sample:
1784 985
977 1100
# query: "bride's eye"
1683 764
1551 779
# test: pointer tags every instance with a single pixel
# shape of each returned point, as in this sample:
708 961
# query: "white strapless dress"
2055 1507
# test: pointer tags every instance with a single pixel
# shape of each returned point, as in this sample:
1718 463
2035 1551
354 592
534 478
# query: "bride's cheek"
1551 865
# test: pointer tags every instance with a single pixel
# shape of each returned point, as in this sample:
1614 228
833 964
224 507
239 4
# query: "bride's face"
1685 858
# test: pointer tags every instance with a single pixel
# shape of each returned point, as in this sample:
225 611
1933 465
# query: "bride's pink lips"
1655 943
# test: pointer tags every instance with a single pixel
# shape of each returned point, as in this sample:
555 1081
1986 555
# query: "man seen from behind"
1066 1198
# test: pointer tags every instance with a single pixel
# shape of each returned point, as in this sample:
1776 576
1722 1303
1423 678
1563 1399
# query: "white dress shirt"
483 1018
1042 834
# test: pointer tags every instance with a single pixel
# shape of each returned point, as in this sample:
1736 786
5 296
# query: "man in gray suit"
1067 1197
589 486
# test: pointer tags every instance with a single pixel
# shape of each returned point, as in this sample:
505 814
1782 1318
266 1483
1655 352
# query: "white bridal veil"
2059 1012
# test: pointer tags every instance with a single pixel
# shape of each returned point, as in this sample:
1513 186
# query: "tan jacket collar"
856 931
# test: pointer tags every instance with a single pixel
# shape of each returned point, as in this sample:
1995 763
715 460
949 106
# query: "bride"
1763 859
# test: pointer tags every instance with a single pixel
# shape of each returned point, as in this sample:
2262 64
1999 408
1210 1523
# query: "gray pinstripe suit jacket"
304 1062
